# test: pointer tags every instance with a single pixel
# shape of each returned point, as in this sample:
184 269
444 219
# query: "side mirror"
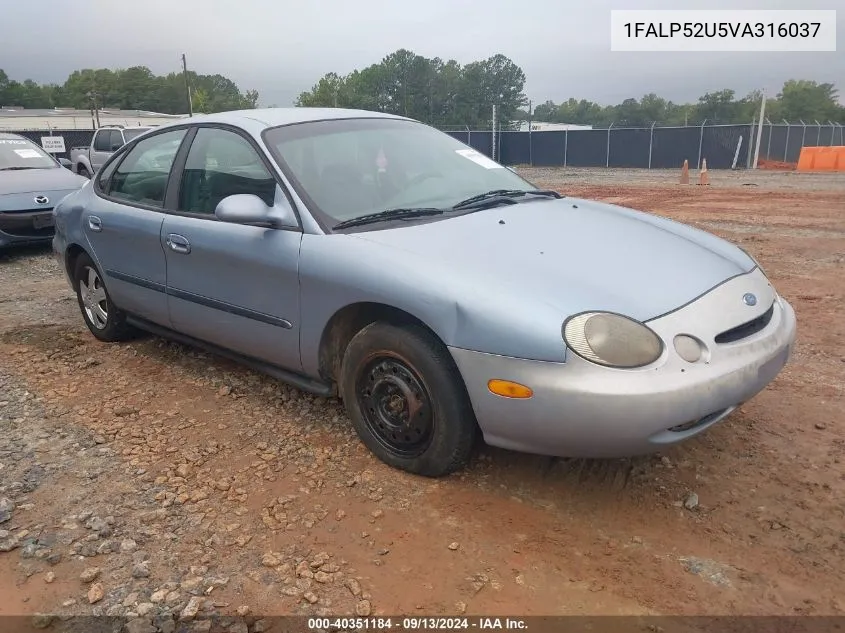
247 208
116 146
64 162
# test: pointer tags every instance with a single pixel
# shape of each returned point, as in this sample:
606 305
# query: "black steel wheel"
395 406
407 400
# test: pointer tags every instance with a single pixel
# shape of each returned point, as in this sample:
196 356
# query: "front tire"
102 317
407 400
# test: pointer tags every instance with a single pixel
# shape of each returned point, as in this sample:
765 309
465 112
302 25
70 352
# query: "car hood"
37 181
572 254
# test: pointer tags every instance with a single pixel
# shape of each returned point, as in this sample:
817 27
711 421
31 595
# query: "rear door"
233 285
123 225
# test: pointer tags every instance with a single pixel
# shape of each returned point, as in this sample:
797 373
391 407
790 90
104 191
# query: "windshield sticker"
27 153
11 141
381 161
478 158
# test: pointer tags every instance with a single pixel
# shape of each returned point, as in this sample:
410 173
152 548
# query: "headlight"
612 340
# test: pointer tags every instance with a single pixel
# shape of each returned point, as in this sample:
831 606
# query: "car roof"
271 117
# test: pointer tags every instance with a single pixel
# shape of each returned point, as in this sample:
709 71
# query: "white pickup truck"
87 160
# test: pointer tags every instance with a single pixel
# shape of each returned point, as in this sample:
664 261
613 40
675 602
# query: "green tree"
432 90
809 101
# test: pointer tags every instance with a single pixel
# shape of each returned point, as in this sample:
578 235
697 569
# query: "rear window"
134 132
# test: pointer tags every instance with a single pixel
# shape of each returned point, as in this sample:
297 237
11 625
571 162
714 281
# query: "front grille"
20 223
746 329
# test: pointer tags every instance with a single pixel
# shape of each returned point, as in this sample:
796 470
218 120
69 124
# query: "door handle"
95 223
178 243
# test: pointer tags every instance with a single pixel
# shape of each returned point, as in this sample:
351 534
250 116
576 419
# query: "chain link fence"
72 138
654 147
658 147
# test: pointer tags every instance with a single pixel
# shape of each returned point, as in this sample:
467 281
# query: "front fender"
339 270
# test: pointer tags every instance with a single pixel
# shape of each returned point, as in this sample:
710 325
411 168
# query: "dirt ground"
148 478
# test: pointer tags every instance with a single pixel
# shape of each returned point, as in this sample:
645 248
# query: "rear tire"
82 170
102 317
407 400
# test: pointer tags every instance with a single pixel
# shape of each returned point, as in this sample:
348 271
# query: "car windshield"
349 168
131 133
19 153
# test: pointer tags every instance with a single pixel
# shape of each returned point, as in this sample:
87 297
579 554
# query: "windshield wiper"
18 168
389 214
503 195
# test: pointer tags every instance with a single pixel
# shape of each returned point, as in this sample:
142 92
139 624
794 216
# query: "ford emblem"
749 299
42 199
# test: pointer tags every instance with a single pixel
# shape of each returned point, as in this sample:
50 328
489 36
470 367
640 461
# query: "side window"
102 140
142 175
105 174
221 163
116 140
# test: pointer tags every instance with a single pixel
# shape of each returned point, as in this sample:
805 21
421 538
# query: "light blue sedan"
439 294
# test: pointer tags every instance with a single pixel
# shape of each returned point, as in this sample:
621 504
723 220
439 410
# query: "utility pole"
187 85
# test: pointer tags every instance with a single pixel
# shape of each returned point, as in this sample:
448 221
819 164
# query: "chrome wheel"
93 295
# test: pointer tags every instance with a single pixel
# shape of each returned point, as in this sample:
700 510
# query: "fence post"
493 147
750 153
650 142
832 131
607 156
469 135
736 153
769 143
700 143
803 132
819 137
565 145
786 145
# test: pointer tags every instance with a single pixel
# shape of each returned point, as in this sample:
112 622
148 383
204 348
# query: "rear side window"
102 141
115 141
142 176
105 174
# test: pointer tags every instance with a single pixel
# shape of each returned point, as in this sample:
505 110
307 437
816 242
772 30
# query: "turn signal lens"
508 389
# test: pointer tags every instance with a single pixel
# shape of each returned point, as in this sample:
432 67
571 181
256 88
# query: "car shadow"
12 254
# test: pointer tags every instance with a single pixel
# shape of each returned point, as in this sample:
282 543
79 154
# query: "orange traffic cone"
685 173
703 176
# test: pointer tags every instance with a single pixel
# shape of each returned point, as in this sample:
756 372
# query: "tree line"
798 100
135 88
441 92
445 93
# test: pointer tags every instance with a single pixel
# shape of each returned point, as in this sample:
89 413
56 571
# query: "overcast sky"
282 47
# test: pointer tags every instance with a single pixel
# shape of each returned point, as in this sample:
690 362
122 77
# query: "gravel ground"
152 481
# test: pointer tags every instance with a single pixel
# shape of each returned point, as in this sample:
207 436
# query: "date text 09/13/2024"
415 623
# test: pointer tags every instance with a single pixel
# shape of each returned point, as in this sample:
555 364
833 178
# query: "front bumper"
580 409
27 227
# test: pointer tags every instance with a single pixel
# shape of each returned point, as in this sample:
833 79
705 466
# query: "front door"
123 226
233 285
